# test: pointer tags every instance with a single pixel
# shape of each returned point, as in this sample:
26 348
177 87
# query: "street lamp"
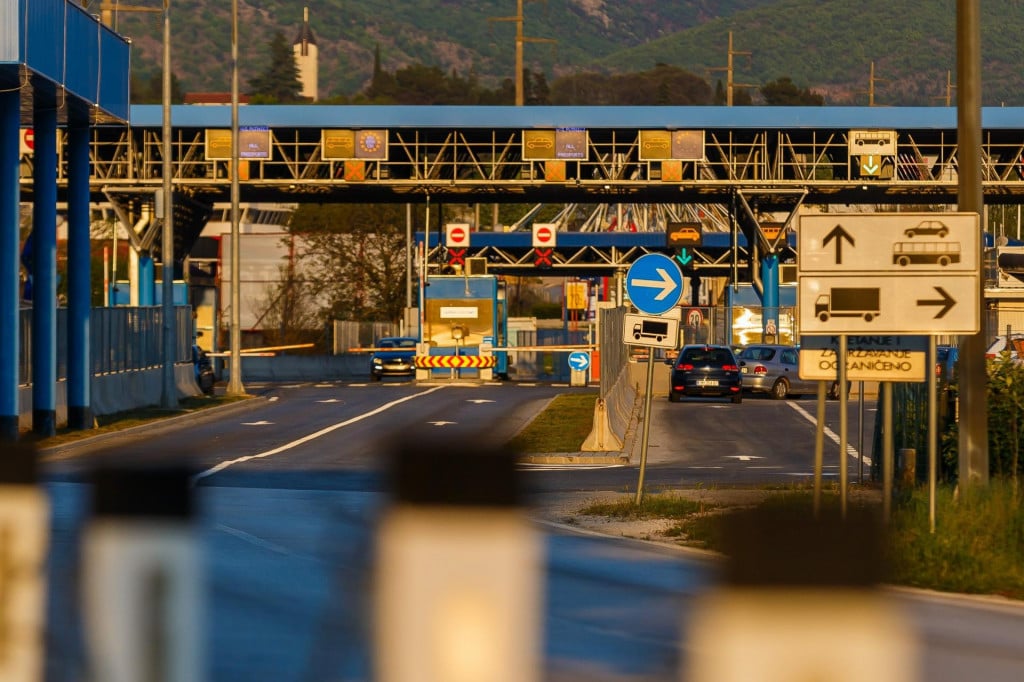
235 386
169 393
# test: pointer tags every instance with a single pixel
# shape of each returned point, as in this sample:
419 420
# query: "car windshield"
396 343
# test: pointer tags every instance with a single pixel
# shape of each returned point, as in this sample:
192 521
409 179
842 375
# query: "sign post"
882 274
655 285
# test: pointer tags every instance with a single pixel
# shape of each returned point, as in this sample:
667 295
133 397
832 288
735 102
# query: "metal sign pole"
932 433
819 447
887 452
647 422
844 476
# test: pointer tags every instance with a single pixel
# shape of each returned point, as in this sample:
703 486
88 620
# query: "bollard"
458 571
142 583
24 523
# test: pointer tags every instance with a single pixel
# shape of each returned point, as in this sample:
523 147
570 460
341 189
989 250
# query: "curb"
575 458
158 424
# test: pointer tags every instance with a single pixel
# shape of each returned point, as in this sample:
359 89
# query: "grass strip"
562 427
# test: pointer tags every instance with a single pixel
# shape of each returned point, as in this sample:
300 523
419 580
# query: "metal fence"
121 339
349 334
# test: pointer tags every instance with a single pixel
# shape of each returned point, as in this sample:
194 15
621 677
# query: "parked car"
397 362
203 368
775 370
705 370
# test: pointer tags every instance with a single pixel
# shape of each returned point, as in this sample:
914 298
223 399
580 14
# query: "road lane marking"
313 436
850 450
262 422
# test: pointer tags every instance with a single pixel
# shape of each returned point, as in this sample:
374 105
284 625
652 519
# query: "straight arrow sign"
838 234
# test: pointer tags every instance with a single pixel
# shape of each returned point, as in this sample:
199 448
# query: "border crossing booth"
464 317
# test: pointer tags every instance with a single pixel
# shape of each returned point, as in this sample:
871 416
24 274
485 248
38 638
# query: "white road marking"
262 422
479 401
850 450
744 458
442 423
329 400
313 436
705 467
273 399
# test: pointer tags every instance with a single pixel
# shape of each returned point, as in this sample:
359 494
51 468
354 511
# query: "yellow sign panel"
554 171
576 295
337 144
218 144
655 145
538 144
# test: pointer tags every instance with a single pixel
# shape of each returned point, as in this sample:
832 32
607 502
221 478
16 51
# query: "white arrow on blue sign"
579 360
654 284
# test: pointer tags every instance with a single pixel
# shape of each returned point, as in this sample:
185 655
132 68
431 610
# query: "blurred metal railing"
121 339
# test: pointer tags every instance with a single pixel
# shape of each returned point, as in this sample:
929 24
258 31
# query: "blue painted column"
10 297
44 265
79 280
147 281
770 298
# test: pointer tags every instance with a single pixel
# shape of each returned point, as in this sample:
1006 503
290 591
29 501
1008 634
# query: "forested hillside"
824 45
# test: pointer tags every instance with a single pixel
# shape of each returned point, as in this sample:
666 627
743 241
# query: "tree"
279 81
151 90
784 92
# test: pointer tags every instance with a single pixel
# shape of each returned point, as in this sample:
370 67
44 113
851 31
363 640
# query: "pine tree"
279 82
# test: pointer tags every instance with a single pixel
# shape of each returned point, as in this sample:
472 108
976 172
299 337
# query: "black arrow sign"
946 302
838 234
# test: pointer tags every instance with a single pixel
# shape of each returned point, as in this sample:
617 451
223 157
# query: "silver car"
775 370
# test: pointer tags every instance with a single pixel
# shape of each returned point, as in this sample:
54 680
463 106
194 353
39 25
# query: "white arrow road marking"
313 436
744 458
442 423
272 399
479 401
666 283
850 450
329 400
262 422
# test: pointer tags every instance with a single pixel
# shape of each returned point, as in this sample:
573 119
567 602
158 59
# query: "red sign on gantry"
456 235
544 235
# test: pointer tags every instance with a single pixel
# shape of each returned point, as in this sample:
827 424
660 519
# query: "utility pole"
871 85
520 39
948 97
730 85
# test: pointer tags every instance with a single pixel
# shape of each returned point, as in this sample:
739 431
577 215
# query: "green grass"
562 427
978 544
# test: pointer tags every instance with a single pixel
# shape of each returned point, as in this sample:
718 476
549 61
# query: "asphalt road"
292 488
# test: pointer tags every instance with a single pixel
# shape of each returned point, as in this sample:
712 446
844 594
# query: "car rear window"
758 354
712 356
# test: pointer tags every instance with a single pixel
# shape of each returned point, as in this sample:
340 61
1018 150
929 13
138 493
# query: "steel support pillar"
770 299
79 280
10 268
44 263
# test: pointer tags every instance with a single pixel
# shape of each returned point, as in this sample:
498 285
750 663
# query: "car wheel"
374 376
737 399
780 389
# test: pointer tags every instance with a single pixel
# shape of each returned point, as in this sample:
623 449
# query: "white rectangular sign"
887 304
652 331
868 358
905 243
459 313
872 142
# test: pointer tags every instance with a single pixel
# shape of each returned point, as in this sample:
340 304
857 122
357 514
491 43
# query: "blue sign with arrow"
654 284
579 360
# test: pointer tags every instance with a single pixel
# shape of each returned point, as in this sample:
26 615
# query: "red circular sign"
29 138
544 235
458 236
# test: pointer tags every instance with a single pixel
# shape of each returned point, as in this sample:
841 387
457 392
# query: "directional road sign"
579 360
868 358
889 273
654 284
889 304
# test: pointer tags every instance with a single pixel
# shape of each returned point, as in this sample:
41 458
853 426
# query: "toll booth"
464 317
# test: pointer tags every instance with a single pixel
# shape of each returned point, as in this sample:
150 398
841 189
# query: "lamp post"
169 392
235 386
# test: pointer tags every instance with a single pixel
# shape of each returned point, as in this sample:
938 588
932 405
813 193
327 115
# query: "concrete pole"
169 387
973 464
235 386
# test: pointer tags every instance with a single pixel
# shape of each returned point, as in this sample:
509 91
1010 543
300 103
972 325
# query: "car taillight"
685 367
760 369
730 368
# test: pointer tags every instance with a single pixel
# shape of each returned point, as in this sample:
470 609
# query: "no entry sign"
544 235
456 235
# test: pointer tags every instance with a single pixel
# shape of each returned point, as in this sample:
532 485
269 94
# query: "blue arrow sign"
579 360
654 284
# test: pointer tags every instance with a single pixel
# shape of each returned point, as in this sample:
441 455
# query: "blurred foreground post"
24 524
800 603
458 571
142 584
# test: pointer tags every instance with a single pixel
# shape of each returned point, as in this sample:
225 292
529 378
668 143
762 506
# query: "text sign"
888 242
889 304
654 332
868 358
654 283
